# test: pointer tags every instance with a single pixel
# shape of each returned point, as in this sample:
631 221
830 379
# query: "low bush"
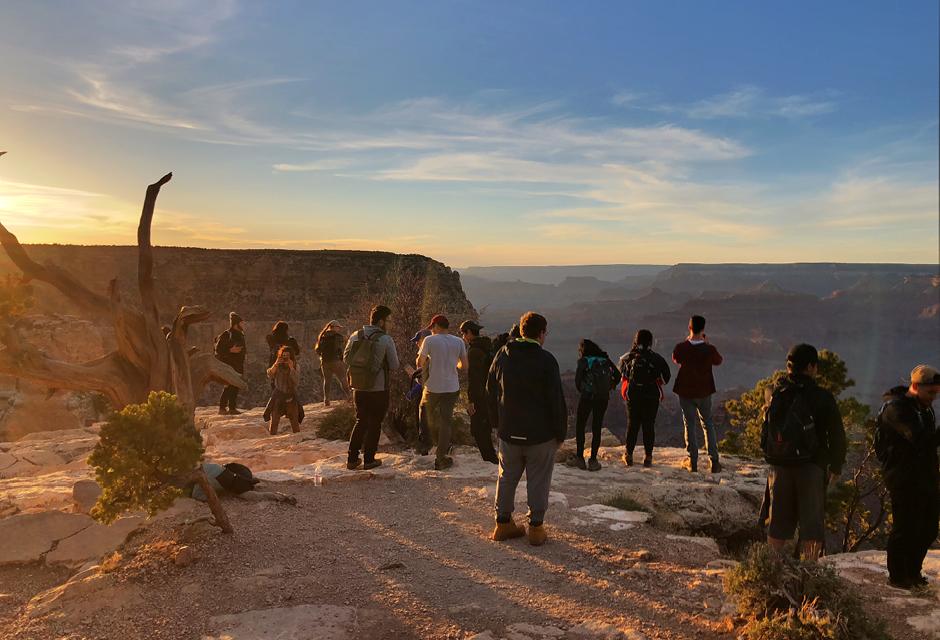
338 423
783 598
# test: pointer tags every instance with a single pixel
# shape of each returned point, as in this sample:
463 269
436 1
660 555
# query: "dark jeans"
482 433
641 415
371 407
588 405
915 510
228 398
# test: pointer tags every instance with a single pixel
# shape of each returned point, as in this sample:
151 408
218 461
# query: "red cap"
440 320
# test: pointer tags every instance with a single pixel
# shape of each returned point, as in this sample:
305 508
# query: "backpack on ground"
788 435
361 374
600 377
236 478
641 370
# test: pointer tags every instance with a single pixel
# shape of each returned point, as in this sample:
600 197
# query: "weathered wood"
212 498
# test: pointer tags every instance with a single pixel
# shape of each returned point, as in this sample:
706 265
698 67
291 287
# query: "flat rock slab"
26 537
604 512
599 630
93 542
707 543
303 622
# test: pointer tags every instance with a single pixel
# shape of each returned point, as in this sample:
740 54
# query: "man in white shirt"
439 357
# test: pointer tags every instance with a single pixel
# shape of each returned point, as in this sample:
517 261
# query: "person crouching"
285 378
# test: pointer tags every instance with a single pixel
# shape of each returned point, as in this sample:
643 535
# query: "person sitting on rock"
329 347
526 404
645 372
285 376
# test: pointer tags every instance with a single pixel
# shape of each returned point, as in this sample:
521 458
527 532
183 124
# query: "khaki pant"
333 369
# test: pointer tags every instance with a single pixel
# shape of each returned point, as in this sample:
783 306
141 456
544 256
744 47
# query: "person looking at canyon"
804 442
906 444
695 385
285 378
480 357
526 403
370 356
329 347
645 372
594 378
230 349
439 357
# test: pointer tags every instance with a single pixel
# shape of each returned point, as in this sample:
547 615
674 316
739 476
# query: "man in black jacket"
479 354
230 349
906 444
526 403
797 488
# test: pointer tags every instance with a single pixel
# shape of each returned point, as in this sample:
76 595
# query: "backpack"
788 435
600 377
218 341
236 478
361 374
883 436
641 369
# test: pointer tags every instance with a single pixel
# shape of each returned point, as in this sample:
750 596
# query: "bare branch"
145 249
205 368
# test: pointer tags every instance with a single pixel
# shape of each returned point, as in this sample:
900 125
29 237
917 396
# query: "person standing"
645 372
526 403
695 385
285 377
594 378
804 442
230 349
370 356
480 357
329 347
439 357
906 444
280 337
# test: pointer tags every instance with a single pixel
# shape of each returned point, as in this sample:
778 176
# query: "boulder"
93 542
84 495
84 595
28 537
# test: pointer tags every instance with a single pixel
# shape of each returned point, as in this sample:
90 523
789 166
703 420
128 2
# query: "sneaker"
628 459
537 535
353 464
594 465
372 464
648 461
901 584
690 465
507 531
223 412
444 463
579 463
716 466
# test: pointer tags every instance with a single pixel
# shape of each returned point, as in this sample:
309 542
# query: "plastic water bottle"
317 476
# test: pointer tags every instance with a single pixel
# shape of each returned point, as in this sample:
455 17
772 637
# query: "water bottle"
317 476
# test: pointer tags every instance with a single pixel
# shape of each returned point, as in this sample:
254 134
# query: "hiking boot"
444 463
901 584
690 465
507 531
628 459
372 464
223 411
579 463
353 464
594 465
648 461
537 535
716 466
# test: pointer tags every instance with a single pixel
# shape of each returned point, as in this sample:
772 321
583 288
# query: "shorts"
797 497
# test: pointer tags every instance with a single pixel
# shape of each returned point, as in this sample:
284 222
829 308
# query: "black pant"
641 414
588 405
915 510
371 407
228 398
482 433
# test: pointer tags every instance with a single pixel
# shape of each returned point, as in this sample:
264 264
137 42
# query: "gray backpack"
361 373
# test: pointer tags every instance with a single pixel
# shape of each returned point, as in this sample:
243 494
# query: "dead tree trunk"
145 360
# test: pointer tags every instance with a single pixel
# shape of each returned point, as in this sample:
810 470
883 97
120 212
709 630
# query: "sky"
479 133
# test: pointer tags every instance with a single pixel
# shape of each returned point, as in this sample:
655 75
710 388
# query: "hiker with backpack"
695 386
230 348
906 444
480 354
329 347
804 443
595 377
644 372
439 357
285 379
370 356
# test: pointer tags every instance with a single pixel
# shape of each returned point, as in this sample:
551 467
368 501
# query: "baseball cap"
925 374
335 324
470 325
440 320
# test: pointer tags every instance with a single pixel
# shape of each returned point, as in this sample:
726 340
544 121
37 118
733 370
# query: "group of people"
515 388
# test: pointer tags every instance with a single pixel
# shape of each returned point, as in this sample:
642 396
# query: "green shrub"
338 423
144 457
625 502
783 598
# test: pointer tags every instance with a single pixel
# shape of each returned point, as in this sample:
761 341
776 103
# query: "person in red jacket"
695 386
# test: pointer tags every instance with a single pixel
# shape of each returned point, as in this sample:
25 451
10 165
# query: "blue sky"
479 133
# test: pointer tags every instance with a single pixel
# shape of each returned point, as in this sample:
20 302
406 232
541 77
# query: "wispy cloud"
747 101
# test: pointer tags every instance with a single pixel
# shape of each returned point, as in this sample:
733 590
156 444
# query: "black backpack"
883 435
601 377
788 435
641 369
237 478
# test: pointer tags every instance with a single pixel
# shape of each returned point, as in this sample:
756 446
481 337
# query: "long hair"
589 348
643 339
329 325
280 331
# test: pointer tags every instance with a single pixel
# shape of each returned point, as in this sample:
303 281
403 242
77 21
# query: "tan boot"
507 531
537 535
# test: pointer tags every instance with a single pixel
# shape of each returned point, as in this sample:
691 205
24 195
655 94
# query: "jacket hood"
894 393
522 347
